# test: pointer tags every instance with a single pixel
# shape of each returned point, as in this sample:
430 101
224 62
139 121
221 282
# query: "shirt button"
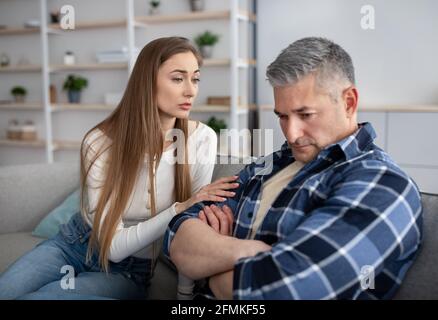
250 215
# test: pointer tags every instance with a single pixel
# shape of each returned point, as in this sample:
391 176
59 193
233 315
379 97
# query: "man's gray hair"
330 63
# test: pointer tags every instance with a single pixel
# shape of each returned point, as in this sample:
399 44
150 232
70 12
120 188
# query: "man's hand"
220 219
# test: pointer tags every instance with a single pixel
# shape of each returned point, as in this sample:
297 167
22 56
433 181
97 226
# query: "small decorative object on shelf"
19 93
14 130
205 42
197 5
221 101
32 23
54 16
154 7
69 58
28 131
216 124
53 96
74 85
4 60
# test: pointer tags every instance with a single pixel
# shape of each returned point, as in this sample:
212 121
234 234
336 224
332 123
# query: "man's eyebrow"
302 109
183 71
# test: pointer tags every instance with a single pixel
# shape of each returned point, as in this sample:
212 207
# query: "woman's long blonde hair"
134 131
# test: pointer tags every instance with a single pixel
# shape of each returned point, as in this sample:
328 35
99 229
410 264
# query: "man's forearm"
198 251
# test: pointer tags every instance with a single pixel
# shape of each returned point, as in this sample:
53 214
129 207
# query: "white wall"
395 63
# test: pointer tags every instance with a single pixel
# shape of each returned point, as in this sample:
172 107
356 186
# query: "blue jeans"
46 272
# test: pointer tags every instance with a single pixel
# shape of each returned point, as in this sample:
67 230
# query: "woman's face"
177 85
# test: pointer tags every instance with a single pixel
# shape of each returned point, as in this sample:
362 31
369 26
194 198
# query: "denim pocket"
75 230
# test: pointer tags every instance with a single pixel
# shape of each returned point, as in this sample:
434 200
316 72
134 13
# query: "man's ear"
350 97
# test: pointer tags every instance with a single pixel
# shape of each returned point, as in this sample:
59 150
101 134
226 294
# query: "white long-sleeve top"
137 230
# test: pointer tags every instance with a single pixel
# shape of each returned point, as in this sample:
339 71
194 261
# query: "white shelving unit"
134 29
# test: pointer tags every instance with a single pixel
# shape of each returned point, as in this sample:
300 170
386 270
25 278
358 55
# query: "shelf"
37 106
242 63
82 107
89 66
243 109
382 108
91 25
399 108
24 68
191 16
18 31
18 143
66 145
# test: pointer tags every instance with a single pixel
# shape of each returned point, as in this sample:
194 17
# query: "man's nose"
294 130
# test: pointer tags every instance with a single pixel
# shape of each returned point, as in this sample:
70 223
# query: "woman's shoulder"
95 140
201 131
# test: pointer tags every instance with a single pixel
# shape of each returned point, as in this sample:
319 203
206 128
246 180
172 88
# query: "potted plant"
216 124
19 93
197 5
205 42
74 85
154 7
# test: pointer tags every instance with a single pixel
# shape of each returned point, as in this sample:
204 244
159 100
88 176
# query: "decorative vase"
19 98
154 10
74 96
206 51
4 60
197 5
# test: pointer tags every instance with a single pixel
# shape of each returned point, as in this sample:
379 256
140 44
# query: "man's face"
311 120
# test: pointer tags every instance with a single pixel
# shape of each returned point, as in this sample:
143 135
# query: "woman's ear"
350 97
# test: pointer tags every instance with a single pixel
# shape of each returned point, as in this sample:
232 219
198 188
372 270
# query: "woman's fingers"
222 186
226 179
222 193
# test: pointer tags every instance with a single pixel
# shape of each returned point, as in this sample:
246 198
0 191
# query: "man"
335 218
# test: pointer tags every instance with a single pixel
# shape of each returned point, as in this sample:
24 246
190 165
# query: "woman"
131 186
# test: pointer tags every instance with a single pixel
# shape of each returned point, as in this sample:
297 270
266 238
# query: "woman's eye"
177 79
196 80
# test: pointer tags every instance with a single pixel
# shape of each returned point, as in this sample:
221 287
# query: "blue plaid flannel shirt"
348 226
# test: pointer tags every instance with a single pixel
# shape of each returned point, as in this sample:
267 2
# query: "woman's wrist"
181 206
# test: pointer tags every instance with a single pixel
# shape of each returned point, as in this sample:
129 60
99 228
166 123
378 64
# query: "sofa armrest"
29 192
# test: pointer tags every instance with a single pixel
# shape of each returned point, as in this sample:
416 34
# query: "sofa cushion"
49 226
421 281
14 245
29 192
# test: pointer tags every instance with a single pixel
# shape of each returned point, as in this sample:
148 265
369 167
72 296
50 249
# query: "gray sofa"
29 192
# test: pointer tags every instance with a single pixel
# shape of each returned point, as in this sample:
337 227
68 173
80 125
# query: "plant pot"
197 5
19 98
154 11
206 51
74 96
